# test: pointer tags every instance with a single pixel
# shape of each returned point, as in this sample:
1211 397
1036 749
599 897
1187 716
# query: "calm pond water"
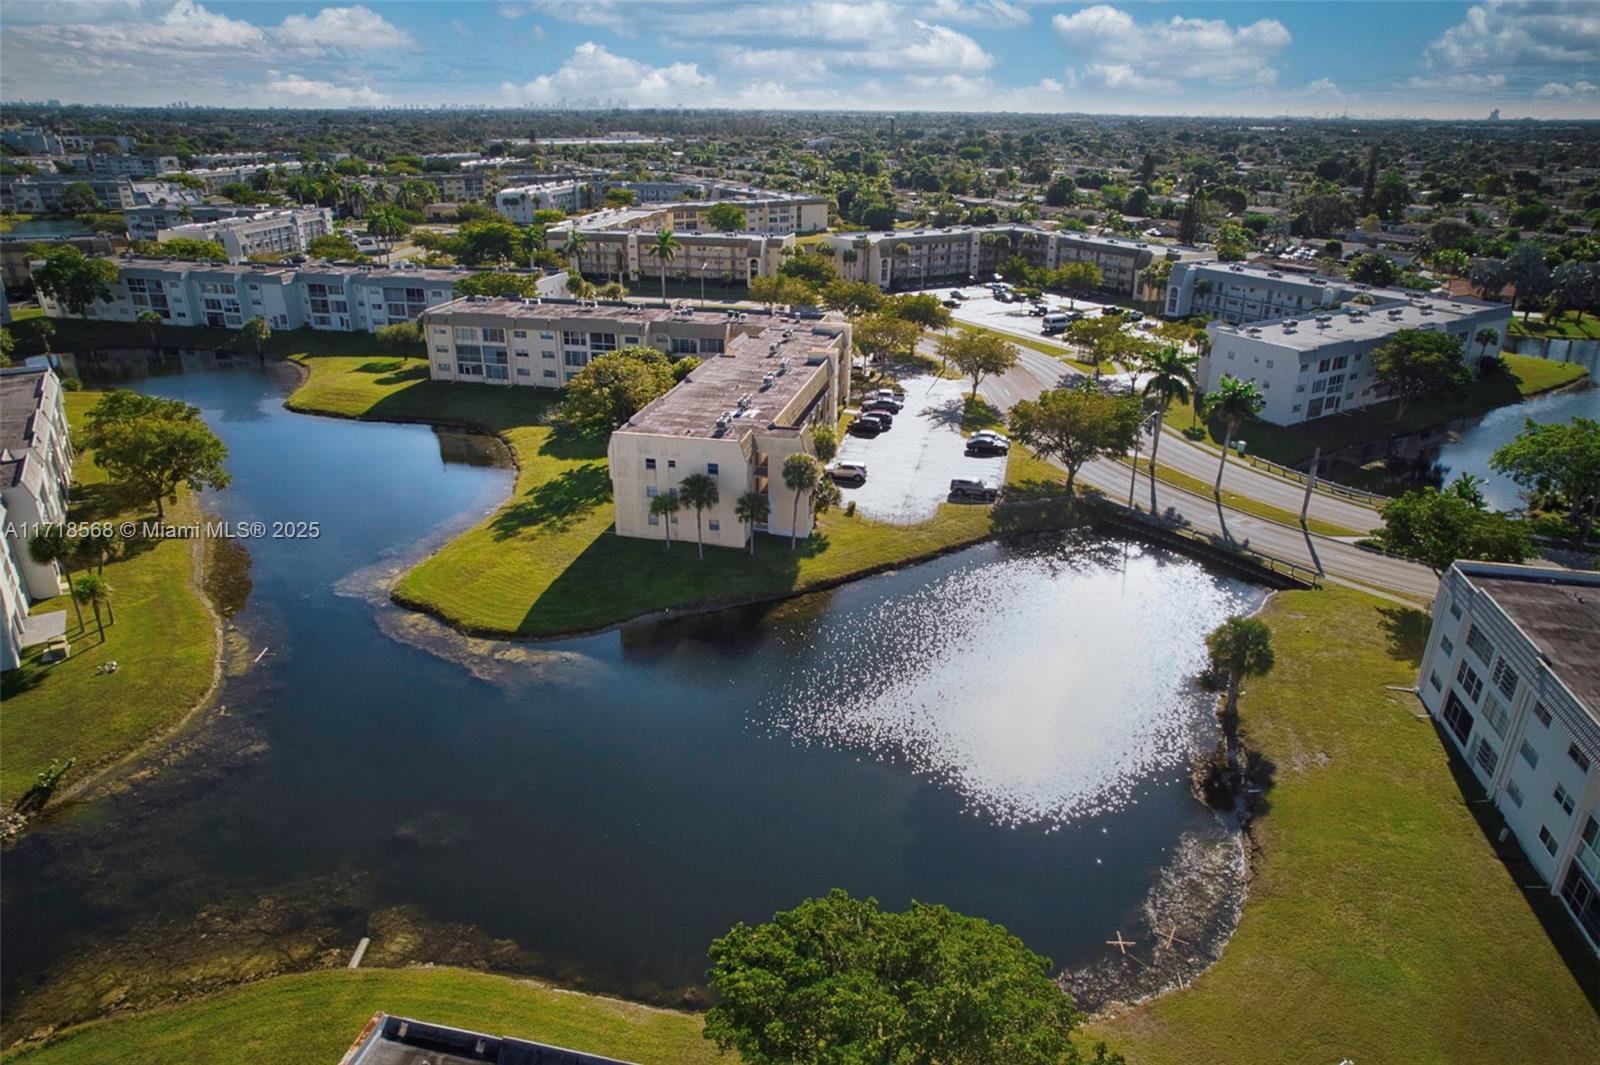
1470 453
35 228
1005 730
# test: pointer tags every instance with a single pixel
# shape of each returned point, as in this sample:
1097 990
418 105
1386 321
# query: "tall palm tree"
664 507
1240 647
257 332
1233 402
801 475
51 546
753 508
1485 337
151 320
1171 377
665 249
699 490
576 242
93 589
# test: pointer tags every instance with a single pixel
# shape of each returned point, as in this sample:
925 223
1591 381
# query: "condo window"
1542 714
1446 646
1549 841
1479 645
1514 792
649 464
1563 799
1496 715
714 525
1579 759
1469 680
1433 679
1529 755
711 469
1486 756
1505 678
672 464
651 491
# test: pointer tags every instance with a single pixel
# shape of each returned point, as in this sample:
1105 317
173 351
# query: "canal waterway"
1470 452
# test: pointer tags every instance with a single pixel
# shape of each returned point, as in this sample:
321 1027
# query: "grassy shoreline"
1377 894
166 641
547 564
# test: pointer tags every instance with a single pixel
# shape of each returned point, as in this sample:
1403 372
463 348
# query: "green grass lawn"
1381 926
547 562
313 1017
163 642
1292 444
1567 326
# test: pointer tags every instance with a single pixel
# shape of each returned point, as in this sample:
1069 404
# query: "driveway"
909 468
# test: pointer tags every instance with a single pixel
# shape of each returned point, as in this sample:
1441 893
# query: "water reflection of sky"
1040 690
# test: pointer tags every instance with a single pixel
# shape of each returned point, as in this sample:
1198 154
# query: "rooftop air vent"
766 381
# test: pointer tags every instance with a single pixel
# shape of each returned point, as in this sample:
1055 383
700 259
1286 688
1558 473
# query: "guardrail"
1323 484
1214 548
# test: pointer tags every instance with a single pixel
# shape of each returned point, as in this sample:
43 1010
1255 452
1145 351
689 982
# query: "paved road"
1340 561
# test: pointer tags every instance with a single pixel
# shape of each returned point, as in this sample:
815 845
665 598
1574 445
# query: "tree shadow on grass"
1557 922
1407 631
555 505
617 578
395 371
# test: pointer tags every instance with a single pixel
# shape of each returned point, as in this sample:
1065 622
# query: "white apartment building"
43 193
1512 675
677 205
133 166
35 481
912 258
318 295
764 382
282 232
216 178
146 221
627 254
1314 365
1241 292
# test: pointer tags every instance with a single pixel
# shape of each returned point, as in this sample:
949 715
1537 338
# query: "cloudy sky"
1433 59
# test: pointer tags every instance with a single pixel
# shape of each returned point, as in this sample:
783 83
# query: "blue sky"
1397 58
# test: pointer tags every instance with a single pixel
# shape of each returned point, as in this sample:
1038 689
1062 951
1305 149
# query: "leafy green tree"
753 508
977 354
853 298
402 337
79 198
726 217
387 226
801 474
1488 277
41 329
1559 459
923 308
491 241
815 270
257 332
1074 426
664 507
1233 242
8 347
150 446
1240 648
497 283
184 249
1436 528
613 388
1171 376
781 289
75 280
885 336
1416 363
838 981
1525 268
51 546
333 246
699 491
824 443
151 320
1575 286
664 248
1077 279
93 589
1233 401
1373 268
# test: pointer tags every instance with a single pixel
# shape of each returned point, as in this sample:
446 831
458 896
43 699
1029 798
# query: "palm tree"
824 443
258 332
51 546
1233 402
664 507
699 490
151 320
576 242
1240 647
1485 337
665 249
753 508
93 589
801 475
1171 377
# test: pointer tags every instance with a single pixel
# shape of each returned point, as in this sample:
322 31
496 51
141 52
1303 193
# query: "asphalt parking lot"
910 467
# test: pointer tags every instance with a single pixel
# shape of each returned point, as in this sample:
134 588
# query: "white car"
992 435
848 472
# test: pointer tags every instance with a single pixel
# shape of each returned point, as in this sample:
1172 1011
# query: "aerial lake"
1006 730
1469 453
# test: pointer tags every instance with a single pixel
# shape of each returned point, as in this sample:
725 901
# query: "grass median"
547 562
313 1017
1381 925
163 641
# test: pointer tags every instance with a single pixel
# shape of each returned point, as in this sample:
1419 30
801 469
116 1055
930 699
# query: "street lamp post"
703 266
1133 482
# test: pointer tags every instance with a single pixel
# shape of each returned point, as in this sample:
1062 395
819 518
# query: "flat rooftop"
1357 323
693 406
1560 612
21 390
390 1040
532 309
288 270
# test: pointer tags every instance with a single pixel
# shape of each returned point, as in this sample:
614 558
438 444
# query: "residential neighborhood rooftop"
1559 611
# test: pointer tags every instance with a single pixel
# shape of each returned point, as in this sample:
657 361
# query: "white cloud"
607 14
593 70
1555 89
70 11
1460 82
994 14
1123 76
1156 54
292 90
922 46
357 27
1516 33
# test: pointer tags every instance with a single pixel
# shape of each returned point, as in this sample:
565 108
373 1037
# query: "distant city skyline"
1365 59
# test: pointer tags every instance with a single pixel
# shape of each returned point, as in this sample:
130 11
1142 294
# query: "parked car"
1037 310
866 426
1109 311
952 303
1135 316
1053 323
848 472
967 490
986 446
957 294
880 404
889 393
992 435
884 419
